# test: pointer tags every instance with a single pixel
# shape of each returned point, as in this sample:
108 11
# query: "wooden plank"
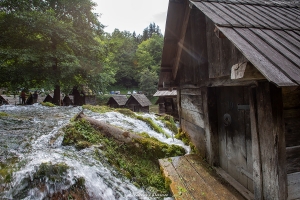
283 51
196 134
193 117
249 160
257 59
257 173
290 97
182 37
246 193
274 55
223 190
245 71
211 125
294 186
272 141
214 16
292 131
195 184
293 159
191 91
193 103
177 186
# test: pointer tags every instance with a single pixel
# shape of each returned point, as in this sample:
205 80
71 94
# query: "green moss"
98 109
169 122
137 161
183 136
3 114
153 125
126 111
81 134
48 104
53 172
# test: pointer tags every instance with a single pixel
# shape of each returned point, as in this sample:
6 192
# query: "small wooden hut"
138 103
236 67
117 101
48 98
167 102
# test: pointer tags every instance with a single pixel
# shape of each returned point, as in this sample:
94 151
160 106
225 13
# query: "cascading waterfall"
31 136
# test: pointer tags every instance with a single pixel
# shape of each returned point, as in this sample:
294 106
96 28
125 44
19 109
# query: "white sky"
132 15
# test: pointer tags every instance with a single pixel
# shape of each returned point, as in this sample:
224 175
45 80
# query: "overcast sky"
132 15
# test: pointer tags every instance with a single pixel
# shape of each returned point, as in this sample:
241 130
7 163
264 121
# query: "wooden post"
211 125
271 140
257 173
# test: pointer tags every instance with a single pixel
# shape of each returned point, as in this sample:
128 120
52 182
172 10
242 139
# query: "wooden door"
235 147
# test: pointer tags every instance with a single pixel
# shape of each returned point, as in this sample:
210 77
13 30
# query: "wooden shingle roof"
266 32
119 99
141 99
165 93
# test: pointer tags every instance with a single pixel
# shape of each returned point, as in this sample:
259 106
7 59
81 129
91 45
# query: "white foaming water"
33 136
138 126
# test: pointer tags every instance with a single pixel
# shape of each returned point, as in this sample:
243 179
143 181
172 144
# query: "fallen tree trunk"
110 130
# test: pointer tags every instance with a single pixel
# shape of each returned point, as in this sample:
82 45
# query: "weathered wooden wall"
291 113
192 117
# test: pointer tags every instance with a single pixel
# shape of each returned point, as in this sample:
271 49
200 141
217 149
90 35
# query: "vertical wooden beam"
271 141
211 125
257 173
181 39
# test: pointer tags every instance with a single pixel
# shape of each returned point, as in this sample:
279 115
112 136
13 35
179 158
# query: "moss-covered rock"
48 179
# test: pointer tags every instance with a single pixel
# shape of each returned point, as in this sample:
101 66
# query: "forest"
61 44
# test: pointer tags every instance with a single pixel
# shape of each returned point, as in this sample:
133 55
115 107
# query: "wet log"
110 130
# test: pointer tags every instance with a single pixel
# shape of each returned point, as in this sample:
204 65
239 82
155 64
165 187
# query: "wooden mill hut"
236 67
117 101
138 103
167 102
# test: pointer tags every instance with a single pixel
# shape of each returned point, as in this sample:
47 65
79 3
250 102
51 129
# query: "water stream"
31 135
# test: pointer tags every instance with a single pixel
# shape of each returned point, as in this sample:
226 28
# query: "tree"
148 82
50 42
122 46
149 54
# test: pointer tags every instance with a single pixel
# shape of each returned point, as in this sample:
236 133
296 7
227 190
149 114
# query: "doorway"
235 145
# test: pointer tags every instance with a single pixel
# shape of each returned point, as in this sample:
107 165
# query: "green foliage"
102 99
49 43
48 104
148 82
153 125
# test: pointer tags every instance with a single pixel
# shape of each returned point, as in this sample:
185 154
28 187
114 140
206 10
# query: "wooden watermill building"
117 101
138 103
236 67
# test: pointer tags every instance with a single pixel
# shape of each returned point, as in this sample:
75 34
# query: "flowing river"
31 135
